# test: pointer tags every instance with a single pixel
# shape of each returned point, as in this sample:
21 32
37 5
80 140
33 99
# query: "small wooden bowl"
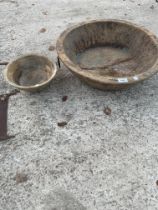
109 54
30 72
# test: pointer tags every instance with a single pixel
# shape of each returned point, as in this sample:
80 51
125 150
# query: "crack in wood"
117 62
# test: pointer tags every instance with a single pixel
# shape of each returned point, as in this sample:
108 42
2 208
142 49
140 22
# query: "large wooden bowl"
109 54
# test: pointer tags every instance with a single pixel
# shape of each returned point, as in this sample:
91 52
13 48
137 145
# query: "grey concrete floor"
97 161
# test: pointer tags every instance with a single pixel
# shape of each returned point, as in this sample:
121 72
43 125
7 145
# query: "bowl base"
108 60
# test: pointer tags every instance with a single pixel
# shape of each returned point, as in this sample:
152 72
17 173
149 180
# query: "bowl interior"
30 70
110 48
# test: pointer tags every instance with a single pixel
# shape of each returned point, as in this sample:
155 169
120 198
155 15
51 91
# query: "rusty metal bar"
4 114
